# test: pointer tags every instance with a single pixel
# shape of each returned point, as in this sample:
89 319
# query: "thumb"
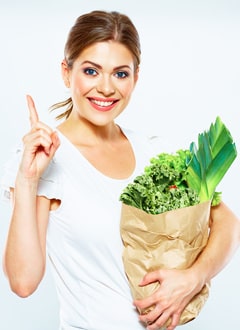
151 277
55 143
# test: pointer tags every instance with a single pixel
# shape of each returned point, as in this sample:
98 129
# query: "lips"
103 104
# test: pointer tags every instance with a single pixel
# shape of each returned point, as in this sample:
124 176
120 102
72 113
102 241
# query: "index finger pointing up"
33 115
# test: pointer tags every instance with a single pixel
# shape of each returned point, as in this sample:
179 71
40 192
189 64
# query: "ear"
136 75
65 73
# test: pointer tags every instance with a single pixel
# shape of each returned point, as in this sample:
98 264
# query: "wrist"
197 277
24 183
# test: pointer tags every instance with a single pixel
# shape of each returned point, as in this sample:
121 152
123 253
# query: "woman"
66 193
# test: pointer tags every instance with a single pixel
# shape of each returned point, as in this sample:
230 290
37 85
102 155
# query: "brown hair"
98 26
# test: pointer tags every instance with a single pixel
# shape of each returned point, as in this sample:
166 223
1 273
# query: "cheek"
81 86
127 90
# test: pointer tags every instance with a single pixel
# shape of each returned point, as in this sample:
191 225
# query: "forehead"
108 52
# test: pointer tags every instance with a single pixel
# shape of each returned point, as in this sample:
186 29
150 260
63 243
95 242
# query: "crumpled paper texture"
171 240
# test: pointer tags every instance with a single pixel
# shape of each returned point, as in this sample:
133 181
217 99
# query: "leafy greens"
185 178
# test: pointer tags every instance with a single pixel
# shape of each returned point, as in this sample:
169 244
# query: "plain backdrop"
190 73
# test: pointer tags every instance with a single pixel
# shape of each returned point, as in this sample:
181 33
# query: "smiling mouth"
103 105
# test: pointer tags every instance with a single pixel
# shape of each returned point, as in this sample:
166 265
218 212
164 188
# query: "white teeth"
102 103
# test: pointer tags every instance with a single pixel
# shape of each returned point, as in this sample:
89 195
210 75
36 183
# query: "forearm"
24 255
224 239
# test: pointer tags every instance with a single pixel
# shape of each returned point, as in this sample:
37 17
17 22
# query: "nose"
106 85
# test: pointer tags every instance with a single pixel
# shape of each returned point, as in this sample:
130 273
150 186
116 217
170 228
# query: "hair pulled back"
98 26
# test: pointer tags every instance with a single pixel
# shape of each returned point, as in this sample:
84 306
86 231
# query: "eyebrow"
100 67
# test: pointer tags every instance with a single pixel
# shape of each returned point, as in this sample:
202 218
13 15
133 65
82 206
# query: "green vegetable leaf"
163 186
211 160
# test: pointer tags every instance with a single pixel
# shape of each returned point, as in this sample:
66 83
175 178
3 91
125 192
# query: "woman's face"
101 82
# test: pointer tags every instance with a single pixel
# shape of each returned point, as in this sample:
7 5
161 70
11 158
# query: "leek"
210 161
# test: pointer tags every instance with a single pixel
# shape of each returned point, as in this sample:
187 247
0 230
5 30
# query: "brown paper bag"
171 240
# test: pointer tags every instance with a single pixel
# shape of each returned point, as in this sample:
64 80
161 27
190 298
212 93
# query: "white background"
190 73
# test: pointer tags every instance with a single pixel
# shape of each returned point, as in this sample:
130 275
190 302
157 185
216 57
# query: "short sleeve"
10 169
48 183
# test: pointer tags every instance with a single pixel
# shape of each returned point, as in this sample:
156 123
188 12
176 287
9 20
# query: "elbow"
23 281
23 286
23 290
238 232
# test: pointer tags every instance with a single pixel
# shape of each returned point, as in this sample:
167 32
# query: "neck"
86 133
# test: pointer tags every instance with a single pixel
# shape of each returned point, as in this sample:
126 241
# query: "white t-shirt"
83 237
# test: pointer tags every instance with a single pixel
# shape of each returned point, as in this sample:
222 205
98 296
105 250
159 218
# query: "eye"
90 71
121 74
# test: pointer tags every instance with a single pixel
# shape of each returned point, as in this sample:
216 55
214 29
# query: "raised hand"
40 145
